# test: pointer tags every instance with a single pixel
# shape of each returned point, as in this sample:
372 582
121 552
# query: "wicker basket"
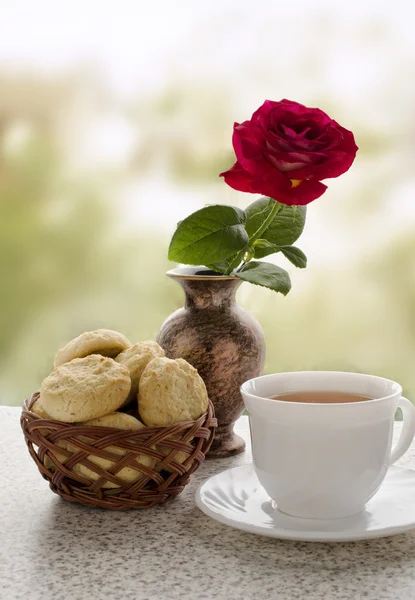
155 485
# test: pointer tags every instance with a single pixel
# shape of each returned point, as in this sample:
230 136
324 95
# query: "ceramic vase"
221 340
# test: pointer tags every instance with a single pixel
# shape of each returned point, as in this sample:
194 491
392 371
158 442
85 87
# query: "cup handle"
408 430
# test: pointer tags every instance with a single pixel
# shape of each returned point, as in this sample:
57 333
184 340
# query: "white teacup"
324 461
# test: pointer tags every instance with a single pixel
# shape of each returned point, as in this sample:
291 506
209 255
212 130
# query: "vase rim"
190 273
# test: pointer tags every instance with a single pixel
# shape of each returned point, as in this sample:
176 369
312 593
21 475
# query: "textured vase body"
221 340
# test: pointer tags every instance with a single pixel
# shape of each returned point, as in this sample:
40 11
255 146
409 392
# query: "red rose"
286 149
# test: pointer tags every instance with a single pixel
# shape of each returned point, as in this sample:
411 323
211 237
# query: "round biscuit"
119 420
171 391
85 388
38 409
101 341
136 358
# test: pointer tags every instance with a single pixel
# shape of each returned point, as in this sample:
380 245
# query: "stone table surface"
53 549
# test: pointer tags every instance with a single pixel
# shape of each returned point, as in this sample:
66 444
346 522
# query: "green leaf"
265 244
295 255
220 266
284 230
209 235
266 275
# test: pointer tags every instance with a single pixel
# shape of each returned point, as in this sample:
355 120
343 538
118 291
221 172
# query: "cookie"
118 420
127 474
102 341
171 391
136 358
85 388
37 408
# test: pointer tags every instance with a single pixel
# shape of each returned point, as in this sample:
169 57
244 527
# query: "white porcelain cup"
319 460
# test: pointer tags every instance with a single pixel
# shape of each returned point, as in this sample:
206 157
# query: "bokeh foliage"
67 265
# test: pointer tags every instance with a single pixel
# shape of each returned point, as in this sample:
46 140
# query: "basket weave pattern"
65 445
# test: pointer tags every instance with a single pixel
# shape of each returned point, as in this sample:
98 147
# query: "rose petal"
300 194
298 143
238 179
287 161
304 193
246 146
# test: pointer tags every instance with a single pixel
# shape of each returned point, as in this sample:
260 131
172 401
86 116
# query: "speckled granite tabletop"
52 549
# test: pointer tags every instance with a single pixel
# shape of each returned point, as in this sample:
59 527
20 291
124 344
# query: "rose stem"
276 206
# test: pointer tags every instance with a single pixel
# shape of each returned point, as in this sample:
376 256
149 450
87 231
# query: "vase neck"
209 294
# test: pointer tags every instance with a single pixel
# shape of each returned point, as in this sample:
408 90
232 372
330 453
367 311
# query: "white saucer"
236 498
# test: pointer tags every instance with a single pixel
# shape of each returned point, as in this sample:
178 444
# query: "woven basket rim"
148 428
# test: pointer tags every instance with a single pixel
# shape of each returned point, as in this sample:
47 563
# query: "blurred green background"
115 120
